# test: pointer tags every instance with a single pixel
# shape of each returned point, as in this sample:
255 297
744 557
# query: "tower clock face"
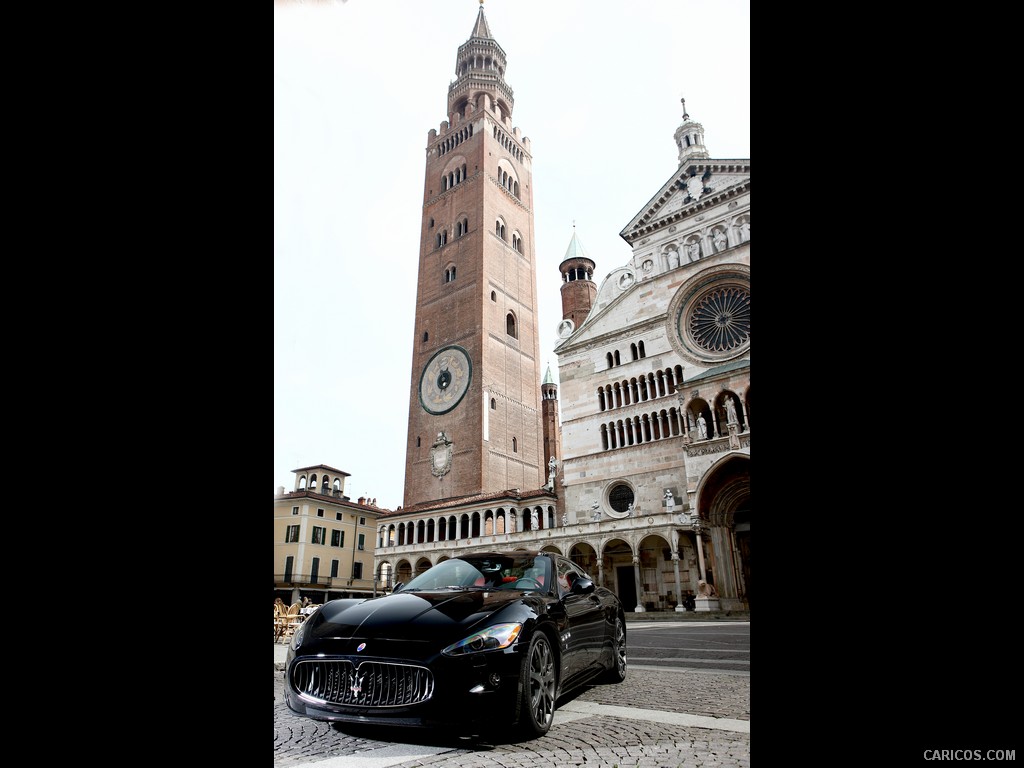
445 379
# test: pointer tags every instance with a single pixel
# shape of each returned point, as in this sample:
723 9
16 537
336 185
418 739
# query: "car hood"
400 622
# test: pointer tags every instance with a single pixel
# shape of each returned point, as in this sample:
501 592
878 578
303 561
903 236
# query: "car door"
584 617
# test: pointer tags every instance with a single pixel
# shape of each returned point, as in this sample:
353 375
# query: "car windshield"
488 571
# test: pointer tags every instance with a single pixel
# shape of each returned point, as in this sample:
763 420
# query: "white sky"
357 86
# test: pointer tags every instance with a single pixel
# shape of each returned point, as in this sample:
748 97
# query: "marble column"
639 591
679 585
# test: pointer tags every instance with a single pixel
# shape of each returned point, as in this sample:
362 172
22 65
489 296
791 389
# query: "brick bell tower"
475 422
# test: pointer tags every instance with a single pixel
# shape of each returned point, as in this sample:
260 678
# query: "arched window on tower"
633 351
611 362
510 325
449 274
642 352
617 360
515 445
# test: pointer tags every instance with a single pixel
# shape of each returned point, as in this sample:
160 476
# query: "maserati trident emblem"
358 687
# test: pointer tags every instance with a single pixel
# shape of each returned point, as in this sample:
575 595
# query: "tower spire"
689 138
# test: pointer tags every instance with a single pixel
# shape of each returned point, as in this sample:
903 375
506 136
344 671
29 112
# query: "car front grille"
373 684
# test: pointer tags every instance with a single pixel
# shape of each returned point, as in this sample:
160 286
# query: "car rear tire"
617 672
538 684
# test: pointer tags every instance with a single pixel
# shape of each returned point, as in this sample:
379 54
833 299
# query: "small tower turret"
690 138
578 287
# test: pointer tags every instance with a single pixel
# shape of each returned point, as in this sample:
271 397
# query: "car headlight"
490 639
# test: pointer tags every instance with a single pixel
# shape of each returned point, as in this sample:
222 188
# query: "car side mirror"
582 586
397 588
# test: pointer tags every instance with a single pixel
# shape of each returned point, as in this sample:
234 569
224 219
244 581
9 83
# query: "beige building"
323 541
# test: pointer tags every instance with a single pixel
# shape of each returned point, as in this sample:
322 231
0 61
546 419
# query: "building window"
295 510
319 534
515 445
337 515
357 570
362 521
449 274
494 296
713 333
494 405
335 538
334 569
426 335
362 542
319 513
314 572
510 325
620 497
292 535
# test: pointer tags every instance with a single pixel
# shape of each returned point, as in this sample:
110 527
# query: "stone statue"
730 410
720 240
673 259
693 250
565 519
629 510
670 500
534 519
702 427
706 590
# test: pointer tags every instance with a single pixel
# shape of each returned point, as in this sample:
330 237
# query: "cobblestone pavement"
649 725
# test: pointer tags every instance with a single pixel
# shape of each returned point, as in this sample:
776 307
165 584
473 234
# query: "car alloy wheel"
538 684
617 672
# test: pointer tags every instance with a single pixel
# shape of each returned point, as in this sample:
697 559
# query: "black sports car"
484 638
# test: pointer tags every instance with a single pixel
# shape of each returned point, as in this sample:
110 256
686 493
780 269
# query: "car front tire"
538 683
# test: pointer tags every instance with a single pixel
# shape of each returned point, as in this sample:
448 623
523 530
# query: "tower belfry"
475 423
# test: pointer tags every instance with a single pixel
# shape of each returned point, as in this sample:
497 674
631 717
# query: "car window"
568 572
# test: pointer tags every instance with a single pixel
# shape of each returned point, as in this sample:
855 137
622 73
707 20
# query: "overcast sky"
357 86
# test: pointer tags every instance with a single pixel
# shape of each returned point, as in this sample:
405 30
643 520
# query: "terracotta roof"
344 501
